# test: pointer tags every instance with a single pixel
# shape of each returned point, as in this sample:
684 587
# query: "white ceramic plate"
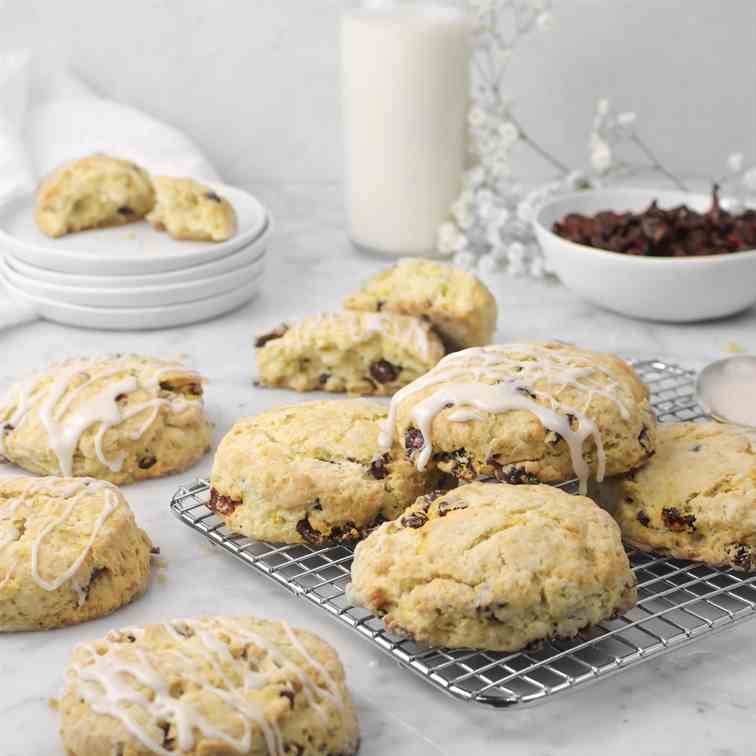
676 290
235 261
133 249
144 296
137 319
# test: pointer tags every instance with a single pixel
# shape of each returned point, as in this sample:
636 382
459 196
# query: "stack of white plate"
133 277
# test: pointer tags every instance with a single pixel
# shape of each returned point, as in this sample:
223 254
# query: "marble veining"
695 701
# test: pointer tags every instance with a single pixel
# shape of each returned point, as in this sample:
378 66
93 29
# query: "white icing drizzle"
65 423
109 671
73 493
502 378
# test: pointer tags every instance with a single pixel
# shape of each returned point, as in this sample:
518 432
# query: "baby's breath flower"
626 119
477 117
465 259
735 162
487 265
749 179
448 236
601 154
545 20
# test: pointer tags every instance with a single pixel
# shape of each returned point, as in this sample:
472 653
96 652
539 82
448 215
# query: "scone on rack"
357 352
310 473
696 498
189 210
120 418
70 551
93 192
199 687
461 309
494 566
525 413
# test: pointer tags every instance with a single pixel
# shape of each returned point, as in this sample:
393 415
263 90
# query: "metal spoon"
726 389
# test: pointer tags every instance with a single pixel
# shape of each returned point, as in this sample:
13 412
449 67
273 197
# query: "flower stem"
547 156
655 164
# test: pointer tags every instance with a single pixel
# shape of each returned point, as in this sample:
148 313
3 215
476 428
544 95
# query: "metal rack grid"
678 601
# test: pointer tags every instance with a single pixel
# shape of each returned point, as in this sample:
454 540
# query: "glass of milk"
405 70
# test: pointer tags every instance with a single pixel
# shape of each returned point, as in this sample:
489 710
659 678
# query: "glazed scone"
696 499
461 309
494 566
120 418
357 352
93 192
216 686
70 551
525 413
311 472
189 210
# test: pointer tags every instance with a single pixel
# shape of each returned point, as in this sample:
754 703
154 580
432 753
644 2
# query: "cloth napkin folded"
48 120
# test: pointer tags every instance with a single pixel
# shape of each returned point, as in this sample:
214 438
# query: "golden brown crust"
93 192
84 537
494 566
311 472
455 302
696 498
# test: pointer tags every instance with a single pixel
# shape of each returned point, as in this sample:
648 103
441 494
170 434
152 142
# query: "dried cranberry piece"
212 196
384 371
378 467
276 333
413 440
676 521
222 505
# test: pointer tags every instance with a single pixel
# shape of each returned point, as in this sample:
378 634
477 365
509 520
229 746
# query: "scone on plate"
358 352
460 307
120 418
70 551
696 498
494 566
189 210
525 413
310 473
93 192
209 686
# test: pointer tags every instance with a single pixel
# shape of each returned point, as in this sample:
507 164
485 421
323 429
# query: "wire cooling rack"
678 601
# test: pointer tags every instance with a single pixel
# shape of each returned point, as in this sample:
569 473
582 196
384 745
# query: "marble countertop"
696 700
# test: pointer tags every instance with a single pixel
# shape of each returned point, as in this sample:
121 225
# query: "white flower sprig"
490 225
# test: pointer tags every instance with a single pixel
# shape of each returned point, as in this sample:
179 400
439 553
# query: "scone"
187 209
121 418
214 686
525 413
70 551
455 302
93 192
311 472
494 566
358 352
696 499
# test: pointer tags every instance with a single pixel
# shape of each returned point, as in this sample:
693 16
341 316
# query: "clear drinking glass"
405 70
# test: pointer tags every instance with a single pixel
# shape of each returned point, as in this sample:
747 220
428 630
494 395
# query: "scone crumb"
734 348
54 703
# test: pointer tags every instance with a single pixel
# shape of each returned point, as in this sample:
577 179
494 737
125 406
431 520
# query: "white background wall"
256 81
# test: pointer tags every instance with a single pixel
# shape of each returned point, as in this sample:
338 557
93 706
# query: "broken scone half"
93 192
189 210
358 352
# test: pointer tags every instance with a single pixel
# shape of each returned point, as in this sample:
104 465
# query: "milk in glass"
406 79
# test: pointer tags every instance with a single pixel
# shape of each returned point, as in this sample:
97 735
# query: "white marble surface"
695 701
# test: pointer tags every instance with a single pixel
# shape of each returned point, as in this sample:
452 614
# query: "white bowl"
141 296
137 319
655 288
133 249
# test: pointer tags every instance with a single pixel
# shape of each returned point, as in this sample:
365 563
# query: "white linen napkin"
48 120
